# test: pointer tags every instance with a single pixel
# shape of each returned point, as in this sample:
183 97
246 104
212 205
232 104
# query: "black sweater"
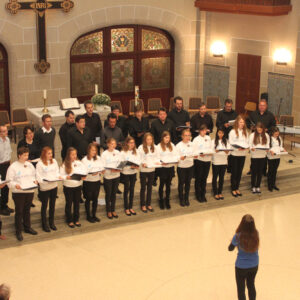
34 151
197 121
157 128
267 118
224 117
45 139
136 126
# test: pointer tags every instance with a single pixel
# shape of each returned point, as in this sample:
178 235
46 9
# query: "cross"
40 7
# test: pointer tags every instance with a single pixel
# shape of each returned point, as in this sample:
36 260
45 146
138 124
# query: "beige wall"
18 35
255 35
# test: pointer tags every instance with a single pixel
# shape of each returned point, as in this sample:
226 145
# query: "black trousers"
257 168
237 166
111 188
243 276
22 210
229 160
165 178
146 181
201 174
273 165
129 184
218 172
91 191
48 196
185 176
73 196
4 190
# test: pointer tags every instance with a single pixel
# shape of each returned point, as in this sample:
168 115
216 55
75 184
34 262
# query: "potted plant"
101 102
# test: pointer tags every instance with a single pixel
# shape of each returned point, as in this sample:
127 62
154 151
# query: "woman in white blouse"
22 182
47 175
185 167
239 140
72 185
149 157
168 156
111 159
129 154
259 142
91 185
202 145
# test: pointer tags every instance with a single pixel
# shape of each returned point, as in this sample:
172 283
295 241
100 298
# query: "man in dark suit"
122 121
63 132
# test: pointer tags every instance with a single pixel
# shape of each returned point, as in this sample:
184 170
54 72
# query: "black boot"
161 204
46 227
182 202
168 206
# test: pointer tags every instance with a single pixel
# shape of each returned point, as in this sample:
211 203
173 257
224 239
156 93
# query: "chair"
194 104
19 119
132 104
171 105
119 104
249 106
213 103
154 104
286 120
4 120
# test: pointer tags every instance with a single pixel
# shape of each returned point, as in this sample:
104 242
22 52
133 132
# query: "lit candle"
136 95
96 89
45 94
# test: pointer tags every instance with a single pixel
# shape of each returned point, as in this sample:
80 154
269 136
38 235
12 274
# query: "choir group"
152 152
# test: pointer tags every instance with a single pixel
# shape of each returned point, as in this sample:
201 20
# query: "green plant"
101 99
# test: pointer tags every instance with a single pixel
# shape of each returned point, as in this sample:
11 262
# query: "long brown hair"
248 235
256 139
67 161
236 125
43 156
162 144
90 146
125 146
145 148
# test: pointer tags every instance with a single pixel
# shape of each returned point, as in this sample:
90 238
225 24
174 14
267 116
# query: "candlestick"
45 109
45 94
96 89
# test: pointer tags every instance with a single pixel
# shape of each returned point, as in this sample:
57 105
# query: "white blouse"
185 149
203 144
130 156
77 166
257 153
111 160
91 165
50 172
276 148
221 157
238 139
167 155
149 158
18 173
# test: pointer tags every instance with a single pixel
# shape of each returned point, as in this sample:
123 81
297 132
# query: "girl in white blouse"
130 155
111 159
219 163
72 186
239 140
276 148
149 157
202 145
168 155
91 185
185 167
47 175
22 181
259 142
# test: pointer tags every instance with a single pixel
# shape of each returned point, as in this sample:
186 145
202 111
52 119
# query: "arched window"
4 86
118 58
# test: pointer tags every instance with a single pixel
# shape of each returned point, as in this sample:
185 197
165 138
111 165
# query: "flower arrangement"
101 99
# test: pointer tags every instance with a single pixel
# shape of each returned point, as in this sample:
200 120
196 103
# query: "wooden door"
248 80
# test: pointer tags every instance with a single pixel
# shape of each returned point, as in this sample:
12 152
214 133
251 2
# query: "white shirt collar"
45 130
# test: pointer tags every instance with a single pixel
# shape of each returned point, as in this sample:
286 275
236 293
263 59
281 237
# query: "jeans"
243 276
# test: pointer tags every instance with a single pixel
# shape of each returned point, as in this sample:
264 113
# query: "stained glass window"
89 44
2 87
122 72
152 40
155 73
122 40
85 76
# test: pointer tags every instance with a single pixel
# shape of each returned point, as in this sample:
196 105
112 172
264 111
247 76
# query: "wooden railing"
255 7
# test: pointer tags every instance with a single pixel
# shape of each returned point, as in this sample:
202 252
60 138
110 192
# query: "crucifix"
40 7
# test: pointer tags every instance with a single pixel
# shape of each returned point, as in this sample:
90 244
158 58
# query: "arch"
4 80
117 58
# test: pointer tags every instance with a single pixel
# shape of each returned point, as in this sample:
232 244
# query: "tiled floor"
183 257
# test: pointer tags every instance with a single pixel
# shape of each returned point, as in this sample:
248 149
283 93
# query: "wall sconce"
282 56
218 49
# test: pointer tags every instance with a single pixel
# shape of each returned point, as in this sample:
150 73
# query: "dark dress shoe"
19 236
133 213
234 195
77 224
53 227
150 209
276 188
110 217
71 225
96 219
127 214
187 203
270 189
115 216
182 203
239 194
91 220
10 210
221 198
4 212
161 204
30 231
46 229
168 206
